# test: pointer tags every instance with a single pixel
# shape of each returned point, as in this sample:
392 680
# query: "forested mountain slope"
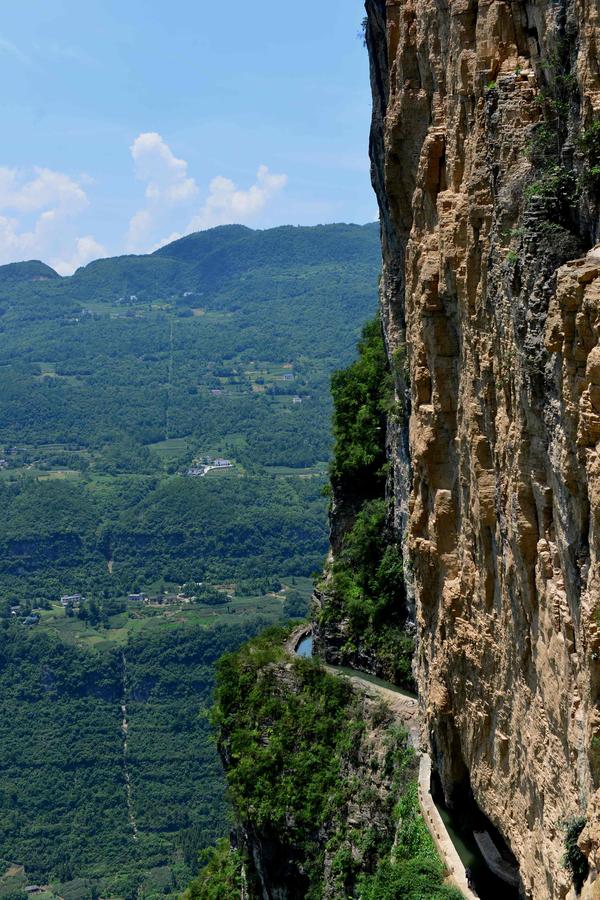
67 815
117 380
127 350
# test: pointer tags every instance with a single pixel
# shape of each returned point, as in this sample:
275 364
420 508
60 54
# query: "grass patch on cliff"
561 180
574 860
556 191
589 147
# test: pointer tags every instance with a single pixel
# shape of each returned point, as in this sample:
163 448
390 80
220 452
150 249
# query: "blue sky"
128 123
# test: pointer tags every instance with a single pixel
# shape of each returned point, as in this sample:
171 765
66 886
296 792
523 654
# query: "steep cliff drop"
485 152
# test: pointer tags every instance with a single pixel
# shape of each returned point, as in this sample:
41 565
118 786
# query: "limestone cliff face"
484 154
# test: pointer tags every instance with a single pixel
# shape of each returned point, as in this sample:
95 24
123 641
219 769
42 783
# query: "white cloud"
167 185
226 203
140 226
40 209
166 176
48 188
86 249
37 214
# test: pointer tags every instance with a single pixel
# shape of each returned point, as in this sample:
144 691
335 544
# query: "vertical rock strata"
491 280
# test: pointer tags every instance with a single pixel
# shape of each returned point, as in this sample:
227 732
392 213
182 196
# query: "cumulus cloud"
40 208
140 227
167 185
226 203
37 217
86 249
166 176
46 189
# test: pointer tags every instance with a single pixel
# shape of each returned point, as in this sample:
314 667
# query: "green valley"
119 384
164 452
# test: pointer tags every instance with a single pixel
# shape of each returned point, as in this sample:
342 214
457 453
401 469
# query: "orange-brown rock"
496 294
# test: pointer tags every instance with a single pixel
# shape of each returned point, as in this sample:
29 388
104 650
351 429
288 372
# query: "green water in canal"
305 649
372 679
487 885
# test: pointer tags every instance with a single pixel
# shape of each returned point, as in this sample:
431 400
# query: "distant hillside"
219 344
224 253
139 344
34 270
194 247
209 260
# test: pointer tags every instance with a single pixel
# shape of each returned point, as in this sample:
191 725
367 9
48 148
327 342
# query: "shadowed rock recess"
485 150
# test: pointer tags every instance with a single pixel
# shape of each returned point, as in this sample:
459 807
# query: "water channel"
305 647
485 883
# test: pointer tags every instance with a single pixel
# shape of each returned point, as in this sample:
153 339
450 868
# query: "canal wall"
457 874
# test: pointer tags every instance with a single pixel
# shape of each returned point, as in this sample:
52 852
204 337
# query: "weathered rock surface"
495 293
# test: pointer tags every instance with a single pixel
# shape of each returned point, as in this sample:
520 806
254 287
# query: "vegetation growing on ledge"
367 570
322 782
589 146
574 860
362 395
364 588
367 588
220 877
560 181
412 870
556 192
295 774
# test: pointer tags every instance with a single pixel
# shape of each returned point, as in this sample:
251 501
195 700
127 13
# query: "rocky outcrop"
485 152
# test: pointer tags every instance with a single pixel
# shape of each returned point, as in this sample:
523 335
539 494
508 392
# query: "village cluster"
200 468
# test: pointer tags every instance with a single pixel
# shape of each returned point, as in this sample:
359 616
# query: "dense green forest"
63 793
58 538
118 381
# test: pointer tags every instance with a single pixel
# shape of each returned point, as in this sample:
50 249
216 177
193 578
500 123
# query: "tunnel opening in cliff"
492 868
